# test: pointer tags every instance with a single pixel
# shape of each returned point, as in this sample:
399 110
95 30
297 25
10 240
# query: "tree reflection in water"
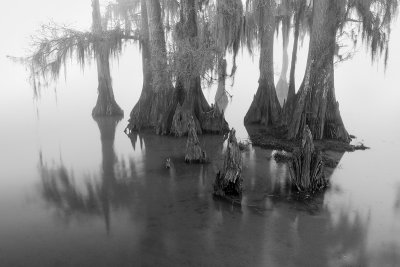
292 233
112 189
174 207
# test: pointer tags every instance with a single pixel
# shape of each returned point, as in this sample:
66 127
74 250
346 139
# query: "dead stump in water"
194 153
306 168
228 183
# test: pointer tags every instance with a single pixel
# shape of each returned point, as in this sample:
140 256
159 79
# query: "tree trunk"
282 86
162 107
292 75
189 87
157 100
164 101
106 104
140 116
288 108
158 48
265 108
316 103
221 98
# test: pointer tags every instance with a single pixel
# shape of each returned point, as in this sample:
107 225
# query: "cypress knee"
306 167
228 182
194 153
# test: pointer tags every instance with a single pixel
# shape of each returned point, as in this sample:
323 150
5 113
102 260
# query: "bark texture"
229 181
158 47
106 104
194 153
207 119
316 103
306 167
265 108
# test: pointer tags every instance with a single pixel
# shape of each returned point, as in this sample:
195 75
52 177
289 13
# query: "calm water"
78 192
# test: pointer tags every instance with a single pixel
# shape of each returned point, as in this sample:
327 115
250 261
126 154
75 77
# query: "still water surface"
78 192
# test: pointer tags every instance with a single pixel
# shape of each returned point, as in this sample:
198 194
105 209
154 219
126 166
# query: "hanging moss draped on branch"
55 45
375 18
228 26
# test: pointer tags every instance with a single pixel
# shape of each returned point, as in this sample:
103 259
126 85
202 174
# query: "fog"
172 215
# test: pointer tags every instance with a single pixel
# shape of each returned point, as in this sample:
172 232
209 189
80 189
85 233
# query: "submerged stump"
228 183
306 167
194 153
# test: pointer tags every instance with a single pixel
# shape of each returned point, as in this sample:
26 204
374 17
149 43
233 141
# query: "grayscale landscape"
199 133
